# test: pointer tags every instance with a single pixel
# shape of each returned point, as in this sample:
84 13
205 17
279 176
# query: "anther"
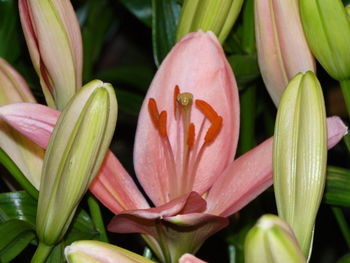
162 124
213 130
207 110
176 93
191 135
153 112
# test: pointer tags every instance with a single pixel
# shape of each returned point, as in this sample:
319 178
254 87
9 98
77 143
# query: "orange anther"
191 133
176 93
213 130
162 124
207 110
153 112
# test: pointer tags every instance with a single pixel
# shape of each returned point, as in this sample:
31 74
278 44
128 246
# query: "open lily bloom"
185 144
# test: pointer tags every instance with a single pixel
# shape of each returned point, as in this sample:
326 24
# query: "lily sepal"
271 240
300 156
74 155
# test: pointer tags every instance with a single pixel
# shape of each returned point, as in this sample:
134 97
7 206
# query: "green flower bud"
272 241
300 155
327 28
218 16
74 155
100 252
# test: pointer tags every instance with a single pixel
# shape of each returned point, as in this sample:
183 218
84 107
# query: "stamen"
213 130
191 135
176 93
162 124
153 112
207 110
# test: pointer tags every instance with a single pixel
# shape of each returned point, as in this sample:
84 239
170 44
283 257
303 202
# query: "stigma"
183 164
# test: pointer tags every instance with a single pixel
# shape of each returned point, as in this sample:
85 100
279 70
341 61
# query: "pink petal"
197 64
251 174
188 258
115 189
113 186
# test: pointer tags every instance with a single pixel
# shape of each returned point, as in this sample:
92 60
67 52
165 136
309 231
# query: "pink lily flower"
185 143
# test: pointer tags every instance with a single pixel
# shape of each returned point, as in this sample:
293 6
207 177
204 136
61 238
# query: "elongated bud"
218 16
300 155
74 155
100 252
24 153
272 241
54 41
327 29
282 48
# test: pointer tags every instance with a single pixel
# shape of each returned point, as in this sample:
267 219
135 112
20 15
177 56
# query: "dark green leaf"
7 162
140 8
245 68
98 19
9 30
344 259
337 186
129 102
138 76
15 236
57 254
164 24
17 205
248 28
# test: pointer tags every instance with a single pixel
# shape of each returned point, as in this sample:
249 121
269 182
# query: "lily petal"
188 258
215 84
113 186
251 174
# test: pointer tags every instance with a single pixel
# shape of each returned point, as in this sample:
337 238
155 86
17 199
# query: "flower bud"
300 155
27 155
281 45
327 28
218 16
52 33
100 252
74 155
272 241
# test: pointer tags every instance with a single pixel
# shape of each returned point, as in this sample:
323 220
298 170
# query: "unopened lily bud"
217 16
24 153
52 33
327 28
281 45
100 252
300 155
272 241
74 155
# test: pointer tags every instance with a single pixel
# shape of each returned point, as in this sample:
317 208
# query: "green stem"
344 227
41 253
96 215
7 162
345 87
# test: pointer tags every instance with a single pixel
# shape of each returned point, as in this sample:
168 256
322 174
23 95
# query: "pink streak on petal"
198 65
188 258
336 130
251 174
115 189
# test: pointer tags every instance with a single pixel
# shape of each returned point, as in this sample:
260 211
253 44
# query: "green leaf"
15 236
98 20
141 9
129 102
245 68
337 186
9 30
57 254
344 259
164 25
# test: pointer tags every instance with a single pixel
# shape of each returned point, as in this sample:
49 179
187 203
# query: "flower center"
184 166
